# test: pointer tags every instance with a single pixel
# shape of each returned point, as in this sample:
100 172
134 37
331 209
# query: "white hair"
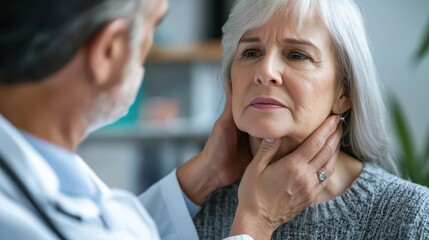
366 136
49 51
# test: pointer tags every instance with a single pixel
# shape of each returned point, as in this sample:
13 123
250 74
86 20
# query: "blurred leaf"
426 150
424 46
413 165
402 129
426 161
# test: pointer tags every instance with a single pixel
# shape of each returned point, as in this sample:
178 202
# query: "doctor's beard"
112 105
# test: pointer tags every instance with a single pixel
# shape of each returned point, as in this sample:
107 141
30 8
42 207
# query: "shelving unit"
145 133
208 51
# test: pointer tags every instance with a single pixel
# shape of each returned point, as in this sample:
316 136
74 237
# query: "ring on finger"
321 175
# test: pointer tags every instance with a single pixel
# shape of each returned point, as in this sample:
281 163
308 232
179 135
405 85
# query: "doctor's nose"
269 72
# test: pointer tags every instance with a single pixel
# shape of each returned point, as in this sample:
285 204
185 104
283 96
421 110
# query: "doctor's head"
292 63
94 48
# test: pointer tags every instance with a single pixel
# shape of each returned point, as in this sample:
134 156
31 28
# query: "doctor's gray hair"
48 51
367 132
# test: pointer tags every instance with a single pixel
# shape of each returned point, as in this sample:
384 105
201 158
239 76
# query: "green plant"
424 46
412 163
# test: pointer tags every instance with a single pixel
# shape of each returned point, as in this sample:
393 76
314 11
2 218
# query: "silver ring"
322 175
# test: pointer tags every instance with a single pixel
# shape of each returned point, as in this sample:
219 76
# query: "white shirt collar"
74 180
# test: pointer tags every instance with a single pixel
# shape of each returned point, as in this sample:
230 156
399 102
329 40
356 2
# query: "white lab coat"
79 218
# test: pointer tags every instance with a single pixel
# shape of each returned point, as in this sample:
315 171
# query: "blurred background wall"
396 29
182 95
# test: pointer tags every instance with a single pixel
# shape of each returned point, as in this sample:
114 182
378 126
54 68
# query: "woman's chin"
265 128
265 133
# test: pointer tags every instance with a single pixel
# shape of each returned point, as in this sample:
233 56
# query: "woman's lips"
266 103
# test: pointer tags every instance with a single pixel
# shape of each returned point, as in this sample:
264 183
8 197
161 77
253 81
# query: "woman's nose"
269 71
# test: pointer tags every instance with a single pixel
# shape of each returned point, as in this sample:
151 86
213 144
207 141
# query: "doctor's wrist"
196 180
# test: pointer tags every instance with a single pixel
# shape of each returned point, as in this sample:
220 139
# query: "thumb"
228 100
266 152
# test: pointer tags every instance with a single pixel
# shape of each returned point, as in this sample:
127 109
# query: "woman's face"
284 81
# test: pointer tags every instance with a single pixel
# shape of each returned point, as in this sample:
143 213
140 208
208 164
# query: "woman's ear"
342 102
107 53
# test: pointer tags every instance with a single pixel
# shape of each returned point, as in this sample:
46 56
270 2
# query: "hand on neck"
347 168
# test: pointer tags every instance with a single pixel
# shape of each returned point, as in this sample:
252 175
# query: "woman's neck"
347 168
288 146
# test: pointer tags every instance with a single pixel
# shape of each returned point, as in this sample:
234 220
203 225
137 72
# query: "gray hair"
366 136
49 51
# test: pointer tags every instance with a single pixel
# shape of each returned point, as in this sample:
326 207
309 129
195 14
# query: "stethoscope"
43 215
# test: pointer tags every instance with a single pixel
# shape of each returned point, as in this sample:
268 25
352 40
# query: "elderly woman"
291 64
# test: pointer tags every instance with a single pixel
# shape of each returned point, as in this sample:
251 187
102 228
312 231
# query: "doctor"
69 67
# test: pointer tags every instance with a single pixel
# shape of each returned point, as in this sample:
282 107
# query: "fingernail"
269 140
337 119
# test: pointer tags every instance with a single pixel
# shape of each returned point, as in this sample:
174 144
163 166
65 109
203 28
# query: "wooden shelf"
209 51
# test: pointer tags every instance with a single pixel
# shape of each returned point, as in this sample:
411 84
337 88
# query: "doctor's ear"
107 53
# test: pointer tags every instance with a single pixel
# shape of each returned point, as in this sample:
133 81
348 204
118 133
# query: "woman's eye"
250 53
298 56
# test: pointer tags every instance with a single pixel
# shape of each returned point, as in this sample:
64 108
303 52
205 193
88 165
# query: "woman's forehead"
286 27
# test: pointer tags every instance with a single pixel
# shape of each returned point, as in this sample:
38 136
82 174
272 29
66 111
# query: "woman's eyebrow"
250 40
300 42
297 41
286 40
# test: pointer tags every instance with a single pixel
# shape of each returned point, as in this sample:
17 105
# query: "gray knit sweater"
377 206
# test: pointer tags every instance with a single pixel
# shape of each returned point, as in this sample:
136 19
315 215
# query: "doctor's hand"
272 193
222 161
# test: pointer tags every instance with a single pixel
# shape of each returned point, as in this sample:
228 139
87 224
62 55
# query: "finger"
226 120
266 152
329 166
228 100
329 169
317 140
328 151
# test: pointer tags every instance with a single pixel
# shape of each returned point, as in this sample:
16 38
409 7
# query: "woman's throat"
288 145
